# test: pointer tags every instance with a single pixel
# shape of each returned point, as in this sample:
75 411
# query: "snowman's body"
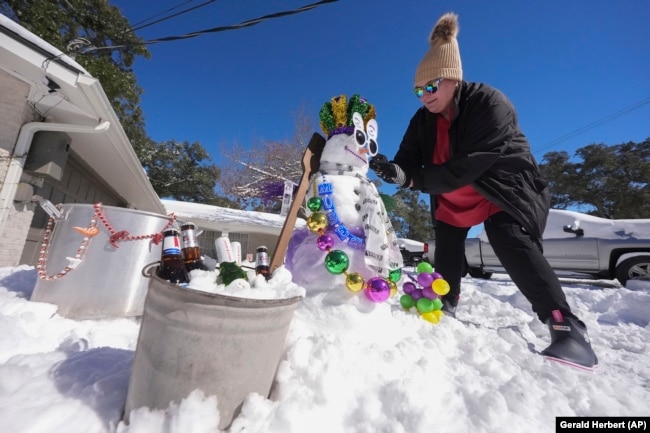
357 220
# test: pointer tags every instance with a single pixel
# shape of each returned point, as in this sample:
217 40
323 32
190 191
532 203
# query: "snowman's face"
353 150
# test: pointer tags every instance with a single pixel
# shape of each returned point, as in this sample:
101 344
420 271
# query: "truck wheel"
479 273
634 268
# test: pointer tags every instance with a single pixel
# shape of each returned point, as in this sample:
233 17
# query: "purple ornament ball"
436 275
409 287
324 242
417 294
428 292
377 289
425 279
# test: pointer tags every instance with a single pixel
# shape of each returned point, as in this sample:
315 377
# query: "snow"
350 366
593 226
228 220
410 245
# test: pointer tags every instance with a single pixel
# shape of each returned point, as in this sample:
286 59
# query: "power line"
88 49
594 124
171 16
160 13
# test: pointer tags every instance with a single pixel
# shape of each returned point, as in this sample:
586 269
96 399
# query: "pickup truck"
413 252
576 245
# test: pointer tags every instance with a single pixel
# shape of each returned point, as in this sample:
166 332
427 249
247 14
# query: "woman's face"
440 100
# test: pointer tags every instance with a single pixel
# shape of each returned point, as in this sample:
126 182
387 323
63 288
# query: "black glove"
387 171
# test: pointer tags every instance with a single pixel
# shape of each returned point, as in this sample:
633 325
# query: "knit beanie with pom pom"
443 58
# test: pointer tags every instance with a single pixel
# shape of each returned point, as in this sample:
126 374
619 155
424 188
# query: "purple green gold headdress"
336 115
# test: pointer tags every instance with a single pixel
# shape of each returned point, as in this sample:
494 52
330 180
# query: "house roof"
65 93
228 220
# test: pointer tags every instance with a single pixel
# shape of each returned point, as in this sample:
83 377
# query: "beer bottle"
172 267
262 262
191 249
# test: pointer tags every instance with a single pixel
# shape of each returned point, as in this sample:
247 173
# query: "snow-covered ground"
350 366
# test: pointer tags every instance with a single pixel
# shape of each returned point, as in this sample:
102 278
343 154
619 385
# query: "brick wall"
14 112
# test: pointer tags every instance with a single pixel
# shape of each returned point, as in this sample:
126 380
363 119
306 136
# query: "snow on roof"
228 220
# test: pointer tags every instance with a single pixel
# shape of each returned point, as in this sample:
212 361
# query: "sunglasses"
431 87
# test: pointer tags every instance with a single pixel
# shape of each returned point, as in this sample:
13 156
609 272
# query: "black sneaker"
449 305
569 342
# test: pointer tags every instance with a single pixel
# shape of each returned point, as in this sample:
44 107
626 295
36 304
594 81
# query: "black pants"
518 253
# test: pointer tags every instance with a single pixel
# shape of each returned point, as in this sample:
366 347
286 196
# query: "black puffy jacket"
488 151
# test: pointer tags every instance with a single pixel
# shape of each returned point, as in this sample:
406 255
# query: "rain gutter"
21 150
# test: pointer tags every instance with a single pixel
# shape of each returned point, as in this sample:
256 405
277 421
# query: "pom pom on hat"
443 58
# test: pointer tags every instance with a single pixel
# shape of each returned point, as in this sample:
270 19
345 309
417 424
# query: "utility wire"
241 25
160 13
594 124
171 16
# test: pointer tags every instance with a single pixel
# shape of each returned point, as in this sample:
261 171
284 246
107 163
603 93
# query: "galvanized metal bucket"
108 282
226 346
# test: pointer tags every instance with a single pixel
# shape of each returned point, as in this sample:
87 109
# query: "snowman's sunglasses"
430 87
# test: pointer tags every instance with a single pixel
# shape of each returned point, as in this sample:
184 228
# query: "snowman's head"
351 131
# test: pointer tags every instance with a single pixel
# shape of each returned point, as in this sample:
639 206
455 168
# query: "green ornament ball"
407 302
337 262
424 305
395 274
314 204
424 267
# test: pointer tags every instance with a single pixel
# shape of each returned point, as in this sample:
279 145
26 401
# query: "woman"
464 147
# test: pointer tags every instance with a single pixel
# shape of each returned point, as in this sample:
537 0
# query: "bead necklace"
377 289
90 231
74 261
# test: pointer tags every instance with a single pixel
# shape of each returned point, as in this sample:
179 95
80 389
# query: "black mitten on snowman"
388 171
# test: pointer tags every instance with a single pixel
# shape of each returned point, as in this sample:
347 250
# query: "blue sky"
564 64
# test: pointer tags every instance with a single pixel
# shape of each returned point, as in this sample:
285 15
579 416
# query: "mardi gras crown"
336 114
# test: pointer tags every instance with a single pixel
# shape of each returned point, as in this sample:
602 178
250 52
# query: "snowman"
349 241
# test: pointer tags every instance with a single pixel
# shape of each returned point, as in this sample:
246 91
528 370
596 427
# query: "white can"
236 250
224 250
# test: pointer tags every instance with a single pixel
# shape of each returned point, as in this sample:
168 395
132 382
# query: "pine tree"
612 181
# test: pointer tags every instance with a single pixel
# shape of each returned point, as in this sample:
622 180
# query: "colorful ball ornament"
429 293
314 204
317 222
425 279
409 288
424 305
393 288
337 261
354 281
426 299
432 317
424 267
441 287
377 289
325 242
407 302
395 274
